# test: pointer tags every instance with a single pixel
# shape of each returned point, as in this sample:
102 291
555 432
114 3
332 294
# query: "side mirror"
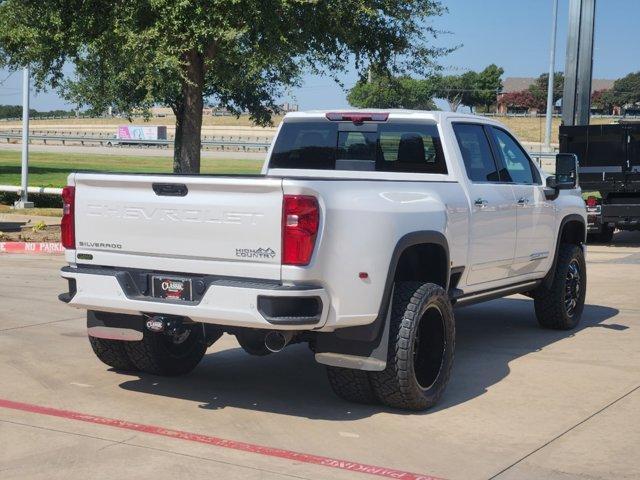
551 182
551 188
566 177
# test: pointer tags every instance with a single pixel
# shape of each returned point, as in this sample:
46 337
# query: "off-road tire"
351 385
112 353
550 307
154 354
398 385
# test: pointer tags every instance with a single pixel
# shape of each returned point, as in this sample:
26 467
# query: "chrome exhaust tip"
275 341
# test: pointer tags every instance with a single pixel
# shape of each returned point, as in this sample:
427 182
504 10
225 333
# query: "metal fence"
219 143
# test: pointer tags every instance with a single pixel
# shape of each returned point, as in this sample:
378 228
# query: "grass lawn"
52 169
532 129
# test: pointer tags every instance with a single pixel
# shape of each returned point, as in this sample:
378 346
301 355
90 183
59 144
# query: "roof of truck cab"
436 115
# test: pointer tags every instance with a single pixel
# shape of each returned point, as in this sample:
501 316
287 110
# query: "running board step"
459 299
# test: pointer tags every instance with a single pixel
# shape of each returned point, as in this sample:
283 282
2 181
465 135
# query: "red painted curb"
32 247
218 442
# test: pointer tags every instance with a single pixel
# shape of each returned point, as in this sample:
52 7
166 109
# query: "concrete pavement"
523 403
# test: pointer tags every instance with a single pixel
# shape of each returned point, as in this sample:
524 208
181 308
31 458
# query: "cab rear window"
382 147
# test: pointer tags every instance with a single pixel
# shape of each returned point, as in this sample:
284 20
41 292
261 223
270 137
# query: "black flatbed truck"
609 157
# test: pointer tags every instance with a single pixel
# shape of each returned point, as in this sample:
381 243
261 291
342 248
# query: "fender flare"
573 217
364 339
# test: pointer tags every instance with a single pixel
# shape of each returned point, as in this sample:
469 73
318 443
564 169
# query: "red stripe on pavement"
31 247
219 442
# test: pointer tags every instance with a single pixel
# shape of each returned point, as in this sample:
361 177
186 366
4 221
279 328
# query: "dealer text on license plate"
174 288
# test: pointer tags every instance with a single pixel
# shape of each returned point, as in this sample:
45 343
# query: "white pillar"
552 68
578 70
24 202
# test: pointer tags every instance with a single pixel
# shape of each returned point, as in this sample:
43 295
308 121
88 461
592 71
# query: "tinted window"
476 153
514 159
410 148
357 146
306 145
386 147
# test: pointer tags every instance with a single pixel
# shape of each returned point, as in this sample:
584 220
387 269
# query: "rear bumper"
223 301
622 216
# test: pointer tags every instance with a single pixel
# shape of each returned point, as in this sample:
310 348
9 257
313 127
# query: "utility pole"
552 73
24 194
576 101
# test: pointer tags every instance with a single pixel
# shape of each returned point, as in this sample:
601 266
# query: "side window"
476 152
514 159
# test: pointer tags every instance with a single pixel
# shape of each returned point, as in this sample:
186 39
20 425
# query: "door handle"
523 201
481 202
170 189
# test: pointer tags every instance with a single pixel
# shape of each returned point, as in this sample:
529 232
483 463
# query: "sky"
514 34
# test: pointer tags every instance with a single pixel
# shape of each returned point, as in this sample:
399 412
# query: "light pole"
552 67
24 202
578 70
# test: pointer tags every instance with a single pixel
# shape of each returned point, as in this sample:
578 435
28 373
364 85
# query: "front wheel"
560 306
421 348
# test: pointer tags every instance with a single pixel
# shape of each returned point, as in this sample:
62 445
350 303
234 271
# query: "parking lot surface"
523 403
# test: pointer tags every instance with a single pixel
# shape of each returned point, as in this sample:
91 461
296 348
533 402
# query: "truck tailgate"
228 226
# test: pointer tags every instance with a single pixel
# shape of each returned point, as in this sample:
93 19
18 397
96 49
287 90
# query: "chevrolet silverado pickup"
362 233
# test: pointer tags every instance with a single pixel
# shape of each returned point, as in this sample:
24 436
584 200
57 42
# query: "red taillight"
300 221
357 118
67 226
592 201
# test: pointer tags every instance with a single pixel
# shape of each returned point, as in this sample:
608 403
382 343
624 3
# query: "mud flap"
375 362
111 326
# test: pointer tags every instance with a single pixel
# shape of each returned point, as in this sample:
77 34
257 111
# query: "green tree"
472 89
15 111
539 90
487 86
456 89
241 54
10 111
603 100
386 91
626 90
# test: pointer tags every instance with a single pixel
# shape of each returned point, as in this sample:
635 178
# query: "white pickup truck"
360 235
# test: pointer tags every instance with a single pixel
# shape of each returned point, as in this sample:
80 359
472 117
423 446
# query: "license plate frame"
169 287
